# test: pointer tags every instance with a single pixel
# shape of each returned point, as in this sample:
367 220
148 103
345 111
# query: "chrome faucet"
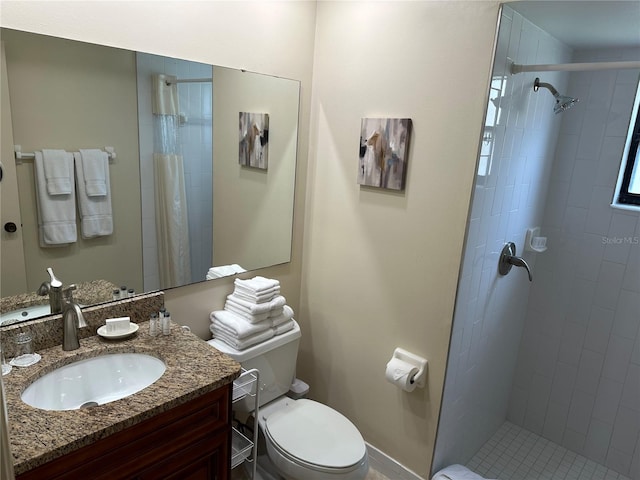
53 288
72 320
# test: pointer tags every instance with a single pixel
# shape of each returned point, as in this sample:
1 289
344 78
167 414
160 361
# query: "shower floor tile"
514 453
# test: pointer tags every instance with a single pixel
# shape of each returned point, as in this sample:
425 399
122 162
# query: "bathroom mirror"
73 95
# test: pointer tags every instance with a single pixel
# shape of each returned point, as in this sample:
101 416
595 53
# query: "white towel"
258 317
56 213
238 326
257 298
255 308
285 316
96 219
245 342
224 271
276 312
257 285
95 169
456 472
227 332
284 327
58 171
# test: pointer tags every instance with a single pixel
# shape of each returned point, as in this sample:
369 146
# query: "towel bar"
20 155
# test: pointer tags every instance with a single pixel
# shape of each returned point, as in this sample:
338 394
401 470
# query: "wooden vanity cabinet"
189 442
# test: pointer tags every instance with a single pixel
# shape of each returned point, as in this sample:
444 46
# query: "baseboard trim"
387 466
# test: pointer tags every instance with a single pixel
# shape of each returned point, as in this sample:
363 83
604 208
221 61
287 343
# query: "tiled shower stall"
560 356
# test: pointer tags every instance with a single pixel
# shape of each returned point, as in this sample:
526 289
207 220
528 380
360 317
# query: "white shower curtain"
172 220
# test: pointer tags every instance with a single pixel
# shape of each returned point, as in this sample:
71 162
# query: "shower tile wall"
578 377
490 309
195 101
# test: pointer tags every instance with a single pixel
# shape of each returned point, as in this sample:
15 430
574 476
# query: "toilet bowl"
305 439
308 440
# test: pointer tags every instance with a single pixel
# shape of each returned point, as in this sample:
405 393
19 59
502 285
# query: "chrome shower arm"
537 84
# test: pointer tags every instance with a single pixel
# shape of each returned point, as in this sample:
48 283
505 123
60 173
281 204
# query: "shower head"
563 102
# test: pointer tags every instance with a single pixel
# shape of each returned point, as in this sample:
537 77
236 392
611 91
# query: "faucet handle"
44 289
54 282
67 292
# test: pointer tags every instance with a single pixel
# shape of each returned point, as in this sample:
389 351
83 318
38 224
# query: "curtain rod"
572 67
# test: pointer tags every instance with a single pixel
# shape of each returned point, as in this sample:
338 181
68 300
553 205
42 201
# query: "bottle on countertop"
153 325
116 294
166 323
123 292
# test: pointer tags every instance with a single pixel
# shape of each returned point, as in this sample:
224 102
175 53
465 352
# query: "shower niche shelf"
533 242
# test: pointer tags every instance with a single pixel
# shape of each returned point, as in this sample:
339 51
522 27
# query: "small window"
628 187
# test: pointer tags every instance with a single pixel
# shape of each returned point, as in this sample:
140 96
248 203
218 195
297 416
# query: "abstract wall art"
384 144
254 140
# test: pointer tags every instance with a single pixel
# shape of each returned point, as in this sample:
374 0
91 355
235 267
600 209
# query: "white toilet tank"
275 359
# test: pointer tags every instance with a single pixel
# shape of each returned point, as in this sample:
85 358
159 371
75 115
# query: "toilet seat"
315 436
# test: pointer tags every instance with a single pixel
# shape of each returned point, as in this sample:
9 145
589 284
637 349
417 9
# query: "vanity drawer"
199 424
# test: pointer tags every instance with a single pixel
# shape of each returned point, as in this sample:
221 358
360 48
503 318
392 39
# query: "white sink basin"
26 313
94 381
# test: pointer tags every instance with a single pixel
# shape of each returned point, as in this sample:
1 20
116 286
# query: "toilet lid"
316 434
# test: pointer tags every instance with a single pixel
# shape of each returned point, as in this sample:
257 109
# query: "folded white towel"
255 308
56 213
96 217
284 327
58 171
95 169
456 472
286 309
257 285
258 317
285 316
245 342
224 271
257 298
238 326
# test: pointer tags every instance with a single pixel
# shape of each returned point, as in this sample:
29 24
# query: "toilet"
305 439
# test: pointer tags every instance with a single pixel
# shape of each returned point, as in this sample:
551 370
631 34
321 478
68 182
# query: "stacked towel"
55 198
257 289
253 313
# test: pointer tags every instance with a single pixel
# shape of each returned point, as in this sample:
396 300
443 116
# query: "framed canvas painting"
384 143
254 140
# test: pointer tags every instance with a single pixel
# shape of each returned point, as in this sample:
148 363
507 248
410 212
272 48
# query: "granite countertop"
38 436
86 293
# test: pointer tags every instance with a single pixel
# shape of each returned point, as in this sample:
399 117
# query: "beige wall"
380 268
72 95
256 227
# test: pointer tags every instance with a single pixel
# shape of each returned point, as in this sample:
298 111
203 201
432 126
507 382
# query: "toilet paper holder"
420 378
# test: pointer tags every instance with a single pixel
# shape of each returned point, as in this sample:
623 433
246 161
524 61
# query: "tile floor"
514 453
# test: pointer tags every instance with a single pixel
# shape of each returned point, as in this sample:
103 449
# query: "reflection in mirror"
71 95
